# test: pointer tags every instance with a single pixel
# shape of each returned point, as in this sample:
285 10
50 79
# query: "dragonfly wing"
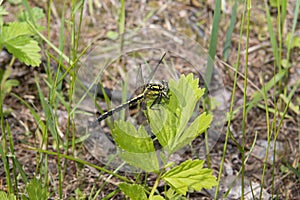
151 75
139 77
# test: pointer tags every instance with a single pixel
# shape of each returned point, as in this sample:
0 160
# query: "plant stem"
155 185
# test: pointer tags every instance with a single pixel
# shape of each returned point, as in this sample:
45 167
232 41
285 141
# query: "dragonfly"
150 91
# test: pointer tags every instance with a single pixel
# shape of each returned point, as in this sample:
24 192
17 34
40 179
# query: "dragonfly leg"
158 99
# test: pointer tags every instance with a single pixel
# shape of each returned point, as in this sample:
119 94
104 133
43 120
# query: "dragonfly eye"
165 84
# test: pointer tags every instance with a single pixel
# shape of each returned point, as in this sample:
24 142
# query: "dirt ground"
194 19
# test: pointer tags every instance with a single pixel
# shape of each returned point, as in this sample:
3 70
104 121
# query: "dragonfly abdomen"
134 101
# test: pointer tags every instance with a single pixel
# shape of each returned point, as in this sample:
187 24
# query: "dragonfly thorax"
154 90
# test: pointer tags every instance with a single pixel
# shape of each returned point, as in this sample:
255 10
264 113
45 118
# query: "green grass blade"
269 134
12 149
213 42
28 8
229 32
296 13
244 115
19 167
3 153
121 24
272 34
232 104
83 162
48 114
122 18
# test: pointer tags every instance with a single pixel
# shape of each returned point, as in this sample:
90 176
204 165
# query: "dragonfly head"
165 88
165 85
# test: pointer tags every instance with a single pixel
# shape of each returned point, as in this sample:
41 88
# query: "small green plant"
170 124
36 191
5 196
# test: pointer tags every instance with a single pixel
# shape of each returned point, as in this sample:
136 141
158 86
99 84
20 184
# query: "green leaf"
137 147
5 83
285 63
156 197
171 194
295 41
198 126
37 13
8 86
133 191
79 194
124 129
15 37
112 35
36 191
14 30
190 175
170 124
25 49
